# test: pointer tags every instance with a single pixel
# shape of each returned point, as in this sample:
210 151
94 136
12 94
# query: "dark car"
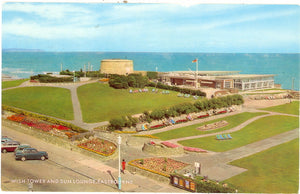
31 154
21 147
9 146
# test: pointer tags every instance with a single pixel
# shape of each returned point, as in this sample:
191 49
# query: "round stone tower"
116 66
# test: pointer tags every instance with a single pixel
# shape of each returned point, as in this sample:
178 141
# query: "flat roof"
116 60
241 76
205 72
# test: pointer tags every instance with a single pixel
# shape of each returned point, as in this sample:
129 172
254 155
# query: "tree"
152 75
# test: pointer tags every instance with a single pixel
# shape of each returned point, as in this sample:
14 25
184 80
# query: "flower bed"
161 166
181 121
203 116
16 118
60 127
99 146
170 145
222 112
42 125
157 126
190 149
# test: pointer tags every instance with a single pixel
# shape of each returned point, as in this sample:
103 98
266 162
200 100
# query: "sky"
112 27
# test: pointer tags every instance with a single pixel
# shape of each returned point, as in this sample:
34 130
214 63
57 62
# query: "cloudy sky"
151 27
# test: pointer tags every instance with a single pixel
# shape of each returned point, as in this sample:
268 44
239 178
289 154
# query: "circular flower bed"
161 166
99 146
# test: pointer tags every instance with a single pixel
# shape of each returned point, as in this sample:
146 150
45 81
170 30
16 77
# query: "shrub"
117 123
152 75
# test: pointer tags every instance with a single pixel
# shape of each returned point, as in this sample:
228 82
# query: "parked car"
5 139
9 146
21 147
31 154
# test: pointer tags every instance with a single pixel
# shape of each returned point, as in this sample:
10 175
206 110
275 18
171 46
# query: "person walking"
123 166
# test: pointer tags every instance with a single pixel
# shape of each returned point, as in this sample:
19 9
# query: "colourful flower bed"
161 166
190 149
38 124
170 145
60 127
181 121
157 126
222 112
16 118
99 146
202 116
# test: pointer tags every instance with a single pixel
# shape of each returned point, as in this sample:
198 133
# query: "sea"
285 66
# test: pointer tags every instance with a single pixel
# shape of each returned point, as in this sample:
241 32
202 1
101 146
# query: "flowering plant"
99 146
201 116
157 126
181 121
190 149
170 145
161 166
221 112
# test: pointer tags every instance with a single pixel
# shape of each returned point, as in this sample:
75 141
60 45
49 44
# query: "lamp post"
74 76
119 142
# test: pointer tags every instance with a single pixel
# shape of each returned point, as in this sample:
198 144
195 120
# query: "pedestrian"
123 166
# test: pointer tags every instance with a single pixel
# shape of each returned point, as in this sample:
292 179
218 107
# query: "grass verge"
275 170
13 83
290 108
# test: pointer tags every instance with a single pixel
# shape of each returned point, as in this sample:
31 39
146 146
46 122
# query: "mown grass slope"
50 101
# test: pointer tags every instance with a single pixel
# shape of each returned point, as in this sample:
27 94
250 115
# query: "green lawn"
13 83
255 131
275 170
192 130
289 108
99 102
50 101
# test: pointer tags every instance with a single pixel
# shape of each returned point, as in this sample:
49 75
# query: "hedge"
44 118
43 78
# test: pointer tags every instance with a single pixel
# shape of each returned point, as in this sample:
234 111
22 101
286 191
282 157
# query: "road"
17 176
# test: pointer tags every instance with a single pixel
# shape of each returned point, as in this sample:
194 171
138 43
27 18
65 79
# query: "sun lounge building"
251 81
218 80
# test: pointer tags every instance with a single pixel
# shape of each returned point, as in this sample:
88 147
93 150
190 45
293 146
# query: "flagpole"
196 72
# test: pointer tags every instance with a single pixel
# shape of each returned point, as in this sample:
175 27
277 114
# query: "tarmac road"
35 174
